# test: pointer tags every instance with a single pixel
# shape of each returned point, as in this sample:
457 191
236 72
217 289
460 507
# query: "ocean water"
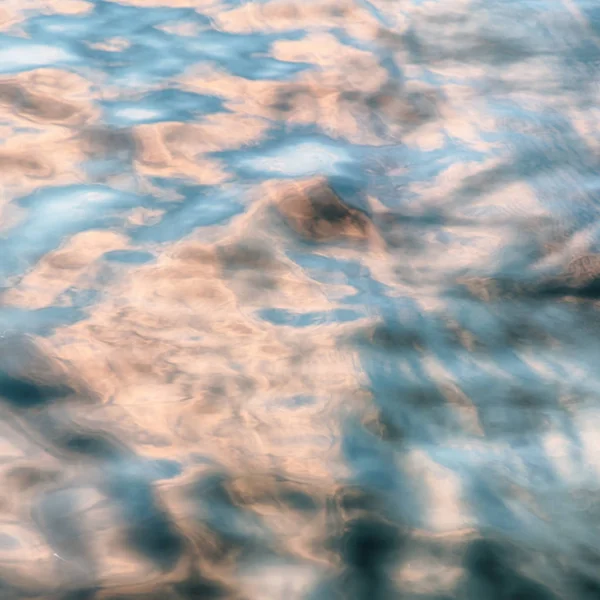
299 299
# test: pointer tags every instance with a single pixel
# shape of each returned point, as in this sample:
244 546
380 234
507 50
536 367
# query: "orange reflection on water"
73 266
179 150
282 15
169 335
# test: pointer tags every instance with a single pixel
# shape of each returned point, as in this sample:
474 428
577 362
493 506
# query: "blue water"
299 299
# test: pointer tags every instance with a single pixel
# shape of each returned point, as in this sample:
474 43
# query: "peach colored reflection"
185 367
345 95
325 51
180 28
165 318
51 97
178 149
345 79
13 12
40 146
71 266
112 45
31 160
9 17
286 15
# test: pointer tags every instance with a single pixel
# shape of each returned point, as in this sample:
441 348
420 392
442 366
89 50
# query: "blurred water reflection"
298 300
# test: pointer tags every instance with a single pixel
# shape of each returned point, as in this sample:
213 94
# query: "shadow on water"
28 378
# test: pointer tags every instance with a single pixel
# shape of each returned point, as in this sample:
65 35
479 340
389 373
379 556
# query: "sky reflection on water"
298 299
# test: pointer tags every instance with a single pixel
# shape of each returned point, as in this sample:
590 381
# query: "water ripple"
298 299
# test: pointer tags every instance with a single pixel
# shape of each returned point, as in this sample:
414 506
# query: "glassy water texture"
299 299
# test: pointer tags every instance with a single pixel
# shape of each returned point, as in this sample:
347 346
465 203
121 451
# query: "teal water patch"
132 257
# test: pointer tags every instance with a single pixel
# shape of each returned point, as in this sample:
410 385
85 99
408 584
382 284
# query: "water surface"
299 299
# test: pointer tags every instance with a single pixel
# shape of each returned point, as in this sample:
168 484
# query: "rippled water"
299 299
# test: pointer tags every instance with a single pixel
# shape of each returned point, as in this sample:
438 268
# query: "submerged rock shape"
313 210
581 279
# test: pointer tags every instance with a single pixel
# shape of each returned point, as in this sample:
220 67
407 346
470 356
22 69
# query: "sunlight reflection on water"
298 299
